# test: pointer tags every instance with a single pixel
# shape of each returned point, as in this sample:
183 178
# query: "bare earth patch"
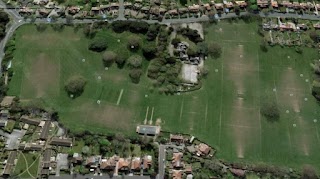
42 76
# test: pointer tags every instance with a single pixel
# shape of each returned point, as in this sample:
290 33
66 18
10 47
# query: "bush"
270 111
264 46
308 172
135 75
75 86
135 61
202 48
133 43
214 50
98 45
149 50
175 41
109 57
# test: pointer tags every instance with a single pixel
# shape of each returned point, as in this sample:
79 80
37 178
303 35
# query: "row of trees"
4 19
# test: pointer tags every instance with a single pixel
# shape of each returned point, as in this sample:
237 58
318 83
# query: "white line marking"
119 98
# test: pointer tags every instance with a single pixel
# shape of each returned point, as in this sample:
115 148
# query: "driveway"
13 139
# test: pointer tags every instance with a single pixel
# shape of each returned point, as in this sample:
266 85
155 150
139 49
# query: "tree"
133 43
314 36
308 172
202 48
109 57
75 85
175 41
264 46
149 50
135 61
98 45
135 75
270 111
214 50
191 51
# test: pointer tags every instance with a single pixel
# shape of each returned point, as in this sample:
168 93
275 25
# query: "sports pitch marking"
120 96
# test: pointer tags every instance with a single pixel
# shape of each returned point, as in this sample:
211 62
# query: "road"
161 161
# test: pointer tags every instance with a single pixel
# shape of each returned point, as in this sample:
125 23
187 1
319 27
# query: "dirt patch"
110 116
292 100
43 76
238 67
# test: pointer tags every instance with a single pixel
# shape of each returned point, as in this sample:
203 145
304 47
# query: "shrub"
135 61
149 50
98 45
133 43
270 111
135 75
109 57
75 85
214 50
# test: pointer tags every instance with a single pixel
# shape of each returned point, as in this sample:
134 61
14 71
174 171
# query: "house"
127 5
218 6
148 130
109 164
43 12
274 4
95 11
93 161
183 10
4 114
114 6
241 4
123 164
26 11
173 12
207 7
302 27
27 120
203 149
177 160
316 25
147 162
73 10
64 142
30 147
286 4
45 164
136 164
3 123
176 138
228 5
188 169
287 26
7 101
194 8
77 158
263 3
45 130
177 174
8 169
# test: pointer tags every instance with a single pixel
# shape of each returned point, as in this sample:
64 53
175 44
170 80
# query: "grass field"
225 112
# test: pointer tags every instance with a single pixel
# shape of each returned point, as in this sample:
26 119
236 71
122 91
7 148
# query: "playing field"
225 112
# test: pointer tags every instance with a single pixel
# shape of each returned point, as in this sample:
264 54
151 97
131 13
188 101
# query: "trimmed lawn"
225 112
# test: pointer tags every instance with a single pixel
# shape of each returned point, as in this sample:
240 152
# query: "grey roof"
146 129
28 120
10 163
67 142
45 130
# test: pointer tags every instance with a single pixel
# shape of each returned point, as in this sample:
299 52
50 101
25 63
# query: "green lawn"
20 169
225 112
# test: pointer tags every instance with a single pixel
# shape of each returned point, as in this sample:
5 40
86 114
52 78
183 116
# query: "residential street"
161 160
